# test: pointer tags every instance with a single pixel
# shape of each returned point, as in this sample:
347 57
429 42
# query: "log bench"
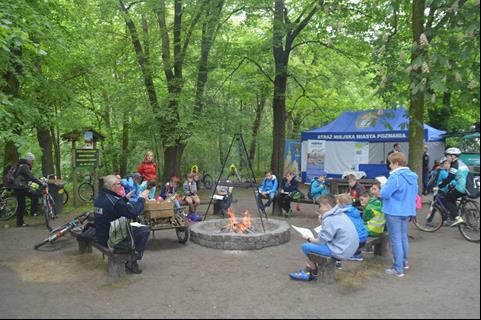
327 265
115 262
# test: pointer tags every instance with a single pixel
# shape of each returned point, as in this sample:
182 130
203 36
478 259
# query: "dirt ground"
189 281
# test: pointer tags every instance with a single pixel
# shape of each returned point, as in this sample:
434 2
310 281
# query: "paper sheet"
218 197
138 225
304 232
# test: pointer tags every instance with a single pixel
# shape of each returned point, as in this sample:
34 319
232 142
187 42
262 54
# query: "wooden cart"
163 216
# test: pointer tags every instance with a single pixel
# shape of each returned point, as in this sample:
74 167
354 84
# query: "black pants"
21 194
285 202
450 201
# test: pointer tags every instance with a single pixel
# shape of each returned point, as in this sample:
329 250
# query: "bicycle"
86 189
60 231
438 214
48 205
8 204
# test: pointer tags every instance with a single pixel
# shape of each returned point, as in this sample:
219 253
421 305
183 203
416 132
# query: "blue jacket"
109 207
457 177
356 219
399 193
443 174
270 186
318 189
130 185
339 234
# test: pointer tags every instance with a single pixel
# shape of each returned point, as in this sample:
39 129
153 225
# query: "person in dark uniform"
396 148
110 206
426 160
23 175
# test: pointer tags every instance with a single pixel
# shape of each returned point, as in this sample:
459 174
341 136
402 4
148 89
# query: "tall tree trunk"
45 142
209 33
172 158
56 152
11 154
260 105
279 129
416 112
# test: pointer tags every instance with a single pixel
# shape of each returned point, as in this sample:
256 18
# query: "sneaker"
339 265
23 226
133 267
459 220
356 257
393 272
406 266
303 275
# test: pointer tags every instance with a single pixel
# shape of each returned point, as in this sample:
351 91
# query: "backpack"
472 186
11 175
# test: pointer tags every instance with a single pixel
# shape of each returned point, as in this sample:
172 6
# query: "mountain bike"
438 214
60 231
86 189
8 204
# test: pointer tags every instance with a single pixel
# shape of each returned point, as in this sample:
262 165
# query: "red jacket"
148 170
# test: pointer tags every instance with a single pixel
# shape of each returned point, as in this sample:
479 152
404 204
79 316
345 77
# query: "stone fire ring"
209 234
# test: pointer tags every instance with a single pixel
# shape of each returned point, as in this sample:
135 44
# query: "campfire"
236 227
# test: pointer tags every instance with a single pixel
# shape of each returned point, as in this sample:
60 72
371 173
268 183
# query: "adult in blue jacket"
110 206
399 205
267 190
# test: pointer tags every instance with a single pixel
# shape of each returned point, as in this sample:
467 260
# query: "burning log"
236 227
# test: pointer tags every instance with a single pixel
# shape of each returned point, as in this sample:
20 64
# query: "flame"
237 227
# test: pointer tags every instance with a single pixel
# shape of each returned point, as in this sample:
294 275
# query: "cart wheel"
182 234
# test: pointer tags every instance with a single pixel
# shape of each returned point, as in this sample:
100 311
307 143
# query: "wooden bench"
115 262
327 265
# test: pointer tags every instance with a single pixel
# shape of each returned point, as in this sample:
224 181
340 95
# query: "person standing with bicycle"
456 180
398 195
23 175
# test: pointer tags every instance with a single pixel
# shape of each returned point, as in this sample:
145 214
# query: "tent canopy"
371 126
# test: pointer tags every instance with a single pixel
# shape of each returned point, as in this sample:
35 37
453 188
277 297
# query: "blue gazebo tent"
361 141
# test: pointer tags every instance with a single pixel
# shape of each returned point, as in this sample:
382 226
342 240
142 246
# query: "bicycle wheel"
86 192
8 208
470 229
65 197
48 212
208 181
431 221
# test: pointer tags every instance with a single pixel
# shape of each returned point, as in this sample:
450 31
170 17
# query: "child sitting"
134 186
169 192
355 190
338 238
373 216
344 201
318 188
192 199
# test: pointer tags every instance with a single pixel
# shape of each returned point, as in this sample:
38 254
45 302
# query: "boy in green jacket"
372 215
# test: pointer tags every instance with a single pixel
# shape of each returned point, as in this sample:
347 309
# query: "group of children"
365 218
146 179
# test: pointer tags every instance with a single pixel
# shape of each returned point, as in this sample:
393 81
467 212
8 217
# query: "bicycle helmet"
453 152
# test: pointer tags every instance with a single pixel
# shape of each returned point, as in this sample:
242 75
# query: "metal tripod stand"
252 179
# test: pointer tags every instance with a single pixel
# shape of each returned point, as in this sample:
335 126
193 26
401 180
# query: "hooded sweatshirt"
339 234
269 186
399 193
356 219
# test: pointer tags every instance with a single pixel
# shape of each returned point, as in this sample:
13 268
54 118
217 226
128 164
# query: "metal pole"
220 176
253 181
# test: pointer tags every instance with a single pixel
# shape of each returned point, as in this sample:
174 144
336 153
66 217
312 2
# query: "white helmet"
453 152
443 160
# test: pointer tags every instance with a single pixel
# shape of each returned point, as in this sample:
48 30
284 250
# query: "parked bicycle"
438 215
48 205
8 204
86 189
60 231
